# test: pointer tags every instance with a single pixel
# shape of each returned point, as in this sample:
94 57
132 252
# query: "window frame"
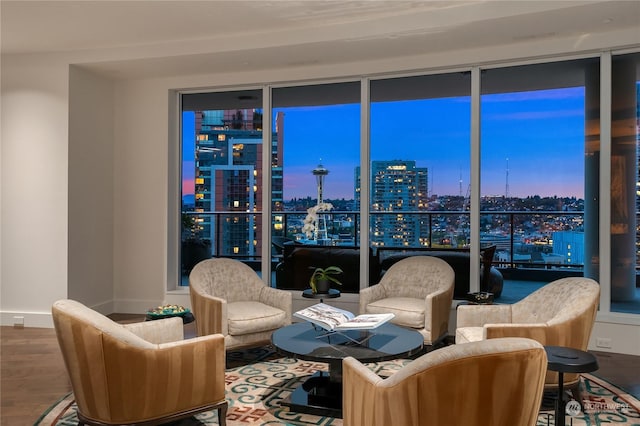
605 58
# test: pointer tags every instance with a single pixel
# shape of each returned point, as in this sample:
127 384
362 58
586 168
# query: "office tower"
229 179
569 245
399 190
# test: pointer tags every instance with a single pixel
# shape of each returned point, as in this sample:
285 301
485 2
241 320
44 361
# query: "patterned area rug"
257 381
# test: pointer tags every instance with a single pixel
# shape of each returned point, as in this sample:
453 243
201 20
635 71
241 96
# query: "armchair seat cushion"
469 334
408 311
250 317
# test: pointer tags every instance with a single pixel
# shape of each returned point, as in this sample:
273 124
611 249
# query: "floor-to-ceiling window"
535 169
221 176
316 129
539 162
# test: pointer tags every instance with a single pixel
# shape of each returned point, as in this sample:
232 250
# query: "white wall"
34 187
90 274
140 205
36 146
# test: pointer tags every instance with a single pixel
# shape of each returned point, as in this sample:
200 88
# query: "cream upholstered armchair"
228 297
419 291
497 382
561 313
143 373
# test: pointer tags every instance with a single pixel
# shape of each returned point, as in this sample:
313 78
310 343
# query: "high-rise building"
569 245
399 190
229 178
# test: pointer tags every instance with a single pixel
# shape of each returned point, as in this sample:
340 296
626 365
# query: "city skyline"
519 131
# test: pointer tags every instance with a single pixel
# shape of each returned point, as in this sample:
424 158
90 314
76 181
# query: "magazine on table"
331 318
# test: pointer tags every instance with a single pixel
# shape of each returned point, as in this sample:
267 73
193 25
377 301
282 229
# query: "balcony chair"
497 382
228 297
419 291
561 313
142 373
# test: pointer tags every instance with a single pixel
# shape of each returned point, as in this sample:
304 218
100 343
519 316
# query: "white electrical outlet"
18 321
603 342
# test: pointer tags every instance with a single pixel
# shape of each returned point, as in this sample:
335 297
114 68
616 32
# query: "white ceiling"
162 38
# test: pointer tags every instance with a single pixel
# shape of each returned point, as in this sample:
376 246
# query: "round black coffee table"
322 393
332 294
567 360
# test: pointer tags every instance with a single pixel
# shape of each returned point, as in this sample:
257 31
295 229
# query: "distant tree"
257 120
238 120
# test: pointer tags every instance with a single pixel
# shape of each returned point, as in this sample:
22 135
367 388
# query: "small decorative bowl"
481 298
167 311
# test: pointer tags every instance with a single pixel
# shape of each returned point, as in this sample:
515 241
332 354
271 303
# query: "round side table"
567 360
332 294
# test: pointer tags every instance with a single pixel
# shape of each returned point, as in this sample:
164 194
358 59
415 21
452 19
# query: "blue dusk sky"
538 136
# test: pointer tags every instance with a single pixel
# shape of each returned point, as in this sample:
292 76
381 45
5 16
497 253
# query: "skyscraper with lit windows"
398 192
228 164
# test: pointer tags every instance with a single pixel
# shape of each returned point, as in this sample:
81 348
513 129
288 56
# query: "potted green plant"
321 279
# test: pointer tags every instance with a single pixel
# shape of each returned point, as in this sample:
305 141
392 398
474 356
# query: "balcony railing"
523 238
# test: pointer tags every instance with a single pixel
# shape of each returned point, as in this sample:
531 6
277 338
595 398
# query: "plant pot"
323 286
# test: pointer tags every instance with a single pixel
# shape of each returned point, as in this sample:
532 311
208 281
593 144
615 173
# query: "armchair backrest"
227 279
559 300
569 304
418 276
496 382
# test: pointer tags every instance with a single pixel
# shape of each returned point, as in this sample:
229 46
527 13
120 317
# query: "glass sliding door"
539 162
420 163
316 132
221 177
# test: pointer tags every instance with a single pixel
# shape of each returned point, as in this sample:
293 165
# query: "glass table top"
305 341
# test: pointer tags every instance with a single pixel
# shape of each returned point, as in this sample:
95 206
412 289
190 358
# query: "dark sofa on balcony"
299 260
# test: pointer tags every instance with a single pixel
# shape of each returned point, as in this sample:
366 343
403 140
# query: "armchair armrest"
479 315
371 294
192 342
212 308
358 394
158 331
437 309
277 298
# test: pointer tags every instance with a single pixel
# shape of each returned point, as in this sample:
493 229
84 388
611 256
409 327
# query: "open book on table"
331 318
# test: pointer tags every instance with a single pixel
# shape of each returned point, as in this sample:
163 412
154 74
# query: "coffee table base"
318 396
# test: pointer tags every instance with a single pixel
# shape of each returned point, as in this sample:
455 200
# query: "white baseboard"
26 319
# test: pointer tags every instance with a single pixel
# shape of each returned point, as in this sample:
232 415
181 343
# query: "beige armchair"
142 374
561 313
419 291
228 297
497 382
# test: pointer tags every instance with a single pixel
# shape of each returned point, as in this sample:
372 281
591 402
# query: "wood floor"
32 374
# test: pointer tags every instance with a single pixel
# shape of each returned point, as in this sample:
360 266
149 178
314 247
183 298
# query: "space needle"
320 172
